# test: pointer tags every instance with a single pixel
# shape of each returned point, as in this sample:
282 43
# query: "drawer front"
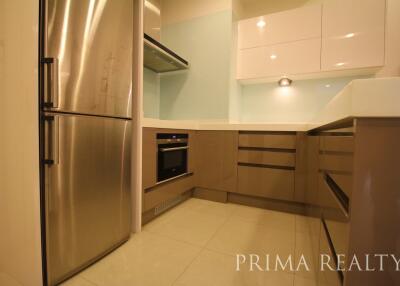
267 158
336 219
337 143
266 182
339 163
268 140
159 194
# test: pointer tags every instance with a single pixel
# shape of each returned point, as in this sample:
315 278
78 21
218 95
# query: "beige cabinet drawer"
341 163
266 182
166 191
337 143
267 158
267 140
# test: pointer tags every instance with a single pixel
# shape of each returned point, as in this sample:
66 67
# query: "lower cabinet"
266 182
162 193
216 160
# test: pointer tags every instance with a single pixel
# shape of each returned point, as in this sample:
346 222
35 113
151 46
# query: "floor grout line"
203 248
88 280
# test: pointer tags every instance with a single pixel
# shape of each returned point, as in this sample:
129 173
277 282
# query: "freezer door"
88 56
87 190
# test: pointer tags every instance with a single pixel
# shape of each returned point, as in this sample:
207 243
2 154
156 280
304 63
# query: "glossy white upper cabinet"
353 34
279 60
297 24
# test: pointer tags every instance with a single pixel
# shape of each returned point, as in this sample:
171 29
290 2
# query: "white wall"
20 251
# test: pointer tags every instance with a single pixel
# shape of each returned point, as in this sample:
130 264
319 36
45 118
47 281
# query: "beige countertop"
377 97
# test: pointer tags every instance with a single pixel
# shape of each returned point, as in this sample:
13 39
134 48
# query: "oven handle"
173 149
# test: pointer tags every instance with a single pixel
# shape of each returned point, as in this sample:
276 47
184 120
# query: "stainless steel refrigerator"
85 94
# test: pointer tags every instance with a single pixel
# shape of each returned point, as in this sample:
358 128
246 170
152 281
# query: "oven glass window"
171 164
173 159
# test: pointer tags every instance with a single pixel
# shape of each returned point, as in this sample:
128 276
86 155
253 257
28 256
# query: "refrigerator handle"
51 140
51 83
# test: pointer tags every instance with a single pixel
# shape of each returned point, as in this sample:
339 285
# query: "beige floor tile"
146 259
189 226
209 207
302 224
216 269
7 280
302 281
272 219
77 281
242 237
305 247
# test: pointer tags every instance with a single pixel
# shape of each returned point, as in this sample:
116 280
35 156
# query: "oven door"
172 161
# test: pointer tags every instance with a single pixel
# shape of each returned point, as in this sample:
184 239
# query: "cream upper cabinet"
339 37
297 24
278 60
353 34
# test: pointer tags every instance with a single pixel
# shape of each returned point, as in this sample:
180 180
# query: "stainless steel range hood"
160 59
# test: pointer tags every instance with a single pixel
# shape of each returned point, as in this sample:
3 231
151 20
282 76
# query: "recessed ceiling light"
261 23
273 57
327 85
350 35
340 64
285 81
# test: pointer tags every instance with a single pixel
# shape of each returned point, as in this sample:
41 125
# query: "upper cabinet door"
299 57
353 34
297 24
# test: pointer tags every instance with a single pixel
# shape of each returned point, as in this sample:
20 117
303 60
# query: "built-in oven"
172 159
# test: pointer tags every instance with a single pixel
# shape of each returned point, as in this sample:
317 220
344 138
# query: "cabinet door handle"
173 149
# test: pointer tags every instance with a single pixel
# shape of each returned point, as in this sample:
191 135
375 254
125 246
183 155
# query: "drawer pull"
337 192
266 166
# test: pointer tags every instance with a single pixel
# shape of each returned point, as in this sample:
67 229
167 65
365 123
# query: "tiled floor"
196 244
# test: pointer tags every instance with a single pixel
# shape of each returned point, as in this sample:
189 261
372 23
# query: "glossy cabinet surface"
353 33
278 60
292 25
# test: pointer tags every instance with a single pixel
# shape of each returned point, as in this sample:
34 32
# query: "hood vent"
159 58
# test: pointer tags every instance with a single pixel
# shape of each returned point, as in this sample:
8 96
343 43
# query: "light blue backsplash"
202 92
298 103
151 94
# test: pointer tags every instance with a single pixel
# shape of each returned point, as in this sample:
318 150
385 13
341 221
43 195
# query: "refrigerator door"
87 193
88 57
